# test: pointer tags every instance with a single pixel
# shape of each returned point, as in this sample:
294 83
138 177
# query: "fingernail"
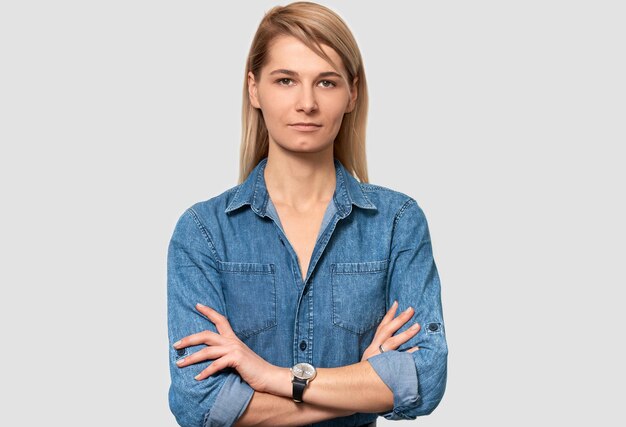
394 304
197 376
407 310
178 362
199 305
176 344
415 326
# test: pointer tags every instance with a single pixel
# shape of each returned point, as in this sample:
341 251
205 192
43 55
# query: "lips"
305 126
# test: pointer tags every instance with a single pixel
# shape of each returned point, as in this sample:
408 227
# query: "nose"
307 102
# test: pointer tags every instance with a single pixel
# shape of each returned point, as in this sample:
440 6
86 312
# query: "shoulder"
215 206
391 201
203 213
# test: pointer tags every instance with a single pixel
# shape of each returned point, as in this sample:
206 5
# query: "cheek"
337 112
336 105
274 107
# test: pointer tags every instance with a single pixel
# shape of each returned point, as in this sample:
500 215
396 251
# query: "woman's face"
298 86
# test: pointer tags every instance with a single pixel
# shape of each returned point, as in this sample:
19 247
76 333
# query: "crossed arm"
335 392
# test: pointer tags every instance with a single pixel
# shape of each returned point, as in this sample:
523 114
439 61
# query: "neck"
300 181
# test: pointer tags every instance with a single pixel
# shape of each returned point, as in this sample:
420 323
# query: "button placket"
306 322
309 347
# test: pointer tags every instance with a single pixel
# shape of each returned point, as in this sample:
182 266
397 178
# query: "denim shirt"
231 253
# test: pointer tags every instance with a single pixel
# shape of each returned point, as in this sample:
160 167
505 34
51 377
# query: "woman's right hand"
388 326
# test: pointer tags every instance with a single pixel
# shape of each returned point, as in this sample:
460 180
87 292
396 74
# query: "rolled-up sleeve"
192 278
418 379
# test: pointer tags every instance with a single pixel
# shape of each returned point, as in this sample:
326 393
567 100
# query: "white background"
504 120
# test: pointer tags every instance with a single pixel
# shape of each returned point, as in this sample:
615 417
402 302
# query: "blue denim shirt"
231 253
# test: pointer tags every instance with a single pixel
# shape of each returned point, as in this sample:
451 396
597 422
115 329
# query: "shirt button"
433 327
302 345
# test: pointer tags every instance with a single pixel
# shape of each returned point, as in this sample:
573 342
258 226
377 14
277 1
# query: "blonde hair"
313 25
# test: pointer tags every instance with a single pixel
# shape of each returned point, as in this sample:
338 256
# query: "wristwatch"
301 374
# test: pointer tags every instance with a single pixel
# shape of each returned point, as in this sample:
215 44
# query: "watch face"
304 371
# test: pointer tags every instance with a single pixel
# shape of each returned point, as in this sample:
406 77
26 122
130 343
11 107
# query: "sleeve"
191 278
418 379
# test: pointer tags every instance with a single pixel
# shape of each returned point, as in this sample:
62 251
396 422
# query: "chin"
313 146
304 144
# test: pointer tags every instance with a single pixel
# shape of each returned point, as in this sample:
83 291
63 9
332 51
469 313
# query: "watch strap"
299 385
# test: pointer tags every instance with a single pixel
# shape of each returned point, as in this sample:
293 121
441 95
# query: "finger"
216 366
207 353
387 330
397 340
390 313
204 337
220 321
397 323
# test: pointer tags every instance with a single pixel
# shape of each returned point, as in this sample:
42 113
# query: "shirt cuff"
231 402
398 372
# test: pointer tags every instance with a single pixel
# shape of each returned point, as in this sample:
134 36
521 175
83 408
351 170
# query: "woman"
301 268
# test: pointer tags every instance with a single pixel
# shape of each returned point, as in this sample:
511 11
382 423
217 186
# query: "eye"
283 81
328 83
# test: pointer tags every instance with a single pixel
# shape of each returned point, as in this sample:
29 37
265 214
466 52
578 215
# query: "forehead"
290 53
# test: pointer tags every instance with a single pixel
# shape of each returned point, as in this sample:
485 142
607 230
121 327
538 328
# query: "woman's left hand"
227 350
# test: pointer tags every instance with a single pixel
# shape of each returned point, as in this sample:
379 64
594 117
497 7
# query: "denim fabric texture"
230 253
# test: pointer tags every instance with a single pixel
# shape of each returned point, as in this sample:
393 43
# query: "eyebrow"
294 73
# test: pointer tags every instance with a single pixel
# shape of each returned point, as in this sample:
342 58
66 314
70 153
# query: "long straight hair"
313 25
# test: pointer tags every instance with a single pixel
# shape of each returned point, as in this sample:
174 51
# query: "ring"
380 347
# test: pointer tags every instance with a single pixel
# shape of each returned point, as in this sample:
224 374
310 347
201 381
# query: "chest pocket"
250 296
358 294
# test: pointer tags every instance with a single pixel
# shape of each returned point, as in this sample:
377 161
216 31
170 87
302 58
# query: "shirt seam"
401 213
403 209
205 233
396 218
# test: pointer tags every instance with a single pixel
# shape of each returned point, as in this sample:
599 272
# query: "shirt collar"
253 192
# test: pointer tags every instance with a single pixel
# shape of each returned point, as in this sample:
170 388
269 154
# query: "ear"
253 90
353 95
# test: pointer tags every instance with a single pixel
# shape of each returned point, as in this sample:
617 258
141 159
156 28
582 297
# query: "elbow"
427 406
215 402
185 408
427 402
432 388
191 401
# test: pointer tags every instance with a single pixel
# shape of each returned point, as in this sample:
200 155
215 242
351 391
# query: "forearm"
266 409
355 388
